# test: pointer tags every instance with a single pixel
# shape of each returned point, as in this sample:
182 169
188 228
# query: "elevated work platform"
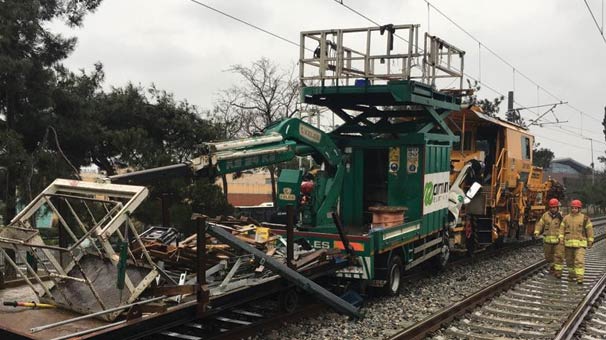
338 57
379 79
394 93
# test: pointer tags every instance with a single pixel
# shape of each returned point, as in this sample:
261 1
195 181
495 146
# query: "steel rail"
434 322
578 315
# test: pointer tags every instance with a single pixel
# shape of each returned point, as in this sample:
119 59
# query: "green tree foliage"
542 156
53 121
144 128
28 54
515 117
489 107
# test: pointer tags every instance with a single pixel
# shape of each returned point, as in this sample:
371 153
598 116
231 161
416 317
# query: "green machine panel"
436 186
352 198
289 187
406 178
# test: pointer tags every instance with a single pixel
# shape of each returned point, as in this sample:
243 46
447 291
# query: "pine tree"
29 53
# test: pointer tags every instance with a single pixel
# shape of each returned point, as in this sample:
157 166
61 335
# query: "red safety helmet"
554 203
576 204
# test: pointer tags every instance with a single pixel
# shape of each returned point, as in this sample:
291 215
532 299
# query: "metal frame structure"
336 63
104 209
440 61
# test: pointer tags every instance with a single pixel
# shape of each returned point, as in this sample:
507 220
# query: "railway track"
249 319
530 304
240 322
594 325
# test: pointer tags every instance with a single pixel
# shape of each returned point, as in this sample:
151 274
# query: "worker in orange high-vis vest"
549 226
576 232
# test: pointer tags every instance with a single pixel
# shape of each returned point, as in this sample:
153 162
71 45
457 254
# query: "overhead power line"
376 23
515 69
356 12
566 144
246 23
484 84
600 29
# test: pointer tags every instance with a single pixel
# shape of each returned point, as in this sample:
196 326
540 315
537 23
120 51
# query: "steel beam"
296 278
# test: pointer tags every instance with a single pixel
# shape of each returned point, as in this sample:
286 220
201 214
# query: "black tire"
394 276
289 300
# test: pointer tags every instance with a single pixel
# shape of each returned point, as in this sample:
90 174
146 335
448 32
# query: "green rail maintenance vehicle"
384 171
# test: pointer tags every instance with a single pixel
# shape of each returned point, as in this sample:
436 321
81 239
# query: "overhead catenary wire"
480 44
498 56
566 144
247 23
340 2
484 84
600 29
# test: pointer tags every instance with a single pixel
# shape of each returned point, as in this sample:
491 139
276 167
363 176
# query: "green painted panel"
256 160
352 198
394 93
405 185
437 161
289 187
384 238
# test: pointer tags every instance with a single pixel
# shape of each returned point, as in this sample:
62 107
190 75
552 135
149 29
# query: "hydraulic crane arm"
279 143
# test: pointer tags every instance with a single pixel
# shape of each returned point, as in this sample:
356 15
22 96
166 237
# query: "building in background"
568 171
250 189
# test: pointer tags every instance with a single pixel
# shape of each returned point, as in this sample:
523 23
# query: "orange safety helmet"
554 203
576 204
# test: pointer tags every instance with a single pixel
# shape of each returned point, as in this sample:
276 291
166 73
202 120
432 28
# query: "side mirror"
475 187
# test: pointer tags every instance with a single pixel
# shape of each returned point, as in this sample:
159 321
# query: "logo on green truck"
428 193
435 192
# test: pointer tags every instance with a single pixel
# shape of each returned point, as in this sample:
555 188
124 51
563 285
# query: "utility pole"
592 164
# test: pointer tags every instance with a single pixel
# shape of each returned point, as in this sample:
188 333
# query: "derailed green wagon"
395 145
389 168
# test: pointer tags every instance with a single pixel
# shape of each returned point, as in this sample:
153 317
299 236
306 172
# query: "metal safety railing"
377 54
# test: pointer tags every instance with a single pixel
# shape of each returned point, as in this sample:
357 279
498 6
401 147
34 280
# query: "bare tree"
266 95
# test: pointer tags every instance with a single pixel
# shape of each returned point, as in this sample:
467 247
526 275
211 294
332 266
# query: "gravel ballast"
420 298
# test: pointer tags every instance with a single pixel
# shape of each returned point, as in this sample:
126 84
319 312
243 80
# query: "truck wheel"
394 276
289 300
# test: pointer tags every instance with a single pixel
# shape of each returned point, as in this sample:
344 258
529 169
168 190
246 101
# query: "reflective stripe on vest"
551 239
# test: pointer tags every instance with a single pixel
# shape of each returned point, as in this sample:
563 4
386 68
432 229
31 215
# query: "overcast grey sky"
185 49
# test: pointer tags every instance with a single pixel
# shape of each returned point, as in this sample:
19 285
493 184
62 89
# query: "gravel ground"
419 299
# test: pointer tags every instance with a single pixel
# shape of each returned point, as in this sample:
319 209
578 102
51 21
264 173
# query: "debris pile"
227 268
